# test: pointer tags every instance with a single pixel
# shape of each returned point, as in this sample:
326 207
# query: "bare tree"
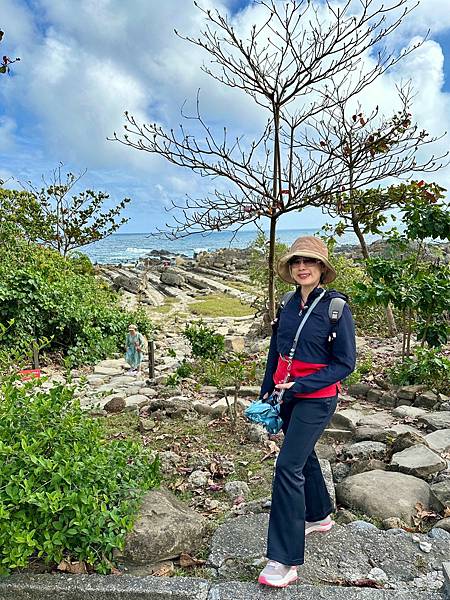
366 149
6 61
286 66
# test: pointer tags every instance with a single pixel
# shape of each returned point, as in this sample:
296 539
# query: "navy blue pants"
299 492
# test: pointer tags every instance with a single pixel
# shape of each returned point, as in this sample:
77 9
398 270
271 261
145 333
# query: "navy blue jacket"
313 345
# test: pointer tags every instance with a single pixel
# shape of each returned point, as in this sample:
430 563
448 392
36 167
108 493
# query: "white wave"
138 250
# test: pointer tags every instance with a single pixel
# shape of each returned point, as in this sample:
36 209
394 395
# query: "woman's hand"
284 386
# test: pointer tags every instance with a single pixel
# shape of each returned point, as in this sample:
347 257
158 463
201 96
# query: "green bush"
428 366
369 320
58 299
204 342
64 490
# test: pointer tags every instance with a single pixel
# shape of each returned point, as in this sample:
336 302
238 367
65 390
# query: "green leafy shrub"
58 299
369 320
64 490
427 366
185 369
204 342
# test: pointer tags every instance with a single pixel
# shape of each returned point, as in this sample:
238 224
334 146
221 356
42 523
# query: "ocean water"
129 247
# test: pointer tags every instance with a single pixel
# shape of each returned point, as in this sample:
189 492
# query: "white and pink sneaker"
323 525
277 575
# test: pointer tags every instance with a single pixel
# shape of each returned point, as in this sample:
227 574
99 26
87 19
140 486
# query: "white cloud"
86 61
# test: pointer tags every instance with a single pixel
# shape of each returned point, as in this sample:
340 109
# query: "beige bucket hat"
306 246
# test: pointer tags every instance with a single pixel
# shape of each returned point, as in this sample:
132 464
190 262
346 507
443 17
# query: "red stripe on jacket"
301 369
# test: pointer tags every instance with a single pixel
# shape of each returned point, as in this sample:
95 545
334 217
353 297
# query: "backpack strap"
286 298
335 311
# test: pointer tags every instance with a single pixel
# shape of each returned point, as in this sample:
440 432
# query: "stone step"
127 587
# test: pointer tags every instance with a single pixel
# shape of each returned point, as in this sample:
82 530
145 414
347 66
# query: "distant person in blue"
325 354
134 349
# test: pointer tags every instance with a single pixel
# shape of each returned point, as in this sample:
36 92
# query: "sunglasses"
306 260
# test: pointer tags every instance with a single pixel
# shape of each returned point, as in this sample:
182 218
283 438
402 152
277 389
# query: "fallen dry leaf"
273 449
165 569
75 568
186 560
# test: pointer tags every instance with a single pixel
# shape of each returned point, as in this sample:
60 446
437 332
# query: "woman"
324 355
134 349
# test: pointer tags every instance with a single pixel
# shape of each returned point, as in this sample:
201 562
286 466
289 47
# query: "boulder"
406 440
198 479
374 395
164 528
365 450
113 363
426 399
419 461
326 451
367 464
443 524
436 420
384 494
346 419
172 277
380 418
233 489
409 392
136 401
359 390
325 467
374 433
115 403
111 371
129 283
442 492
405 410
439 440
387 399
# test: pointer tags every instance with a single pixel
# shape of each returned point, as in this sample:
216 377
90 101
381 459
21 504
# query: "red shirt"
300 369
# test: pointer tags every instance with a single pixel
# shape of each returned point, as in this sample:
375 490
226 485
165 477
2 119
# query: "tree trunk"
392 327
271 267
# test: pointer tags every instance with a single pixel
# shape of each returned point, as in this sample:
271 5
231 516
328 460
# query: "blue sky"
84 63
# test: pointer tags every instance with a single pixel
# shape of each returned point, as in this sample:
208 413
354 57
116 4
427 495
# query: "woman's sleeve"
342 363
271 363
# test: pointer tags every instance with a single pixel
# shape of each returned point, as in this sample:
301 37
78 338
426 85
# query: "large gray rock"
384 494
365 450
437 420
129 282
164 528
328 477
408 411
439 440
442 492
172 277
241 538
426 400
111 371
409 392
419 461
348 418
136 401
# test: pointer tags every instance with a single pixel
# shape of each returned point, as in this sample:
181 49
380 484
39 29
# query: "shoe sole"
321 528
264 581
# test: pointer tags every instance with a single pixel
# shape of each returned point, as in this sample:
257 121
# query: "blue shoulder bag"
266 412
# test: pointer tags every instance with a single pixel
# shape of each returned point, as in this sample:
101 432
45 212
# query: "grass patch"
166 307
194 440
221 305
242 287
